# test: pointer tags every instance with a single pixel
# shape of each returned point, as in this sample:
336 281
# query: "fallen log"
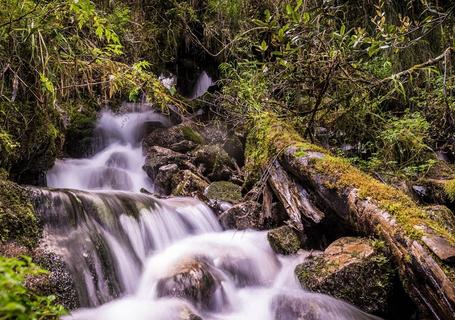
371 208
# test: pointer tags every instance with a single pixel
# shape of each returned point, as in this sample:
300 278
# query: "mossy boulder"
181 138
215 163
224 191
244 215
188 184
79 137
351 269
18 220
284 240
157 157
191 280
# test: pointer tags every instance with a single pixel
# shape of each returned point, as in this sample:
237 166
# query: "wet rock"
284 240
286 307
191 280
159 156
187 184
215 163
181 138
351 269
163 179
245 215
57 282
224 191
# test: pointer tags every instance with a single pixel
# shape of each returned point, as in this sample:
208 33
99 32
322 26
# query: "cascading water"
122 247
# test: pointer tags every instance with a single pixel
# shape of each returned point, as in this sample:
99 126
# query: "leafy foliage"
16 300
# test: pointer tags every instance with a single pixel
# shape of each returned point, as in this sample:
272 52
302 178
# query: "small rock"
284 240
224 191
191 280
163 179
351 269
245 215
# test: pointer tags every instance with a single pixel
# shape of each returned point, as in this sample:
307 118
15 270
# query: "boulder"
164 177
191 280
351 269
181 138
244 215
215 163
218 133
159 156
188 184
284 240
224 191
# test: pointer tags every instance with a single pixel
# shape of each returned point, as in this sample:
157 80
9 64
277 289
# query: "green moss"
18 221
268 138
224 191
343 175
449 189
192 135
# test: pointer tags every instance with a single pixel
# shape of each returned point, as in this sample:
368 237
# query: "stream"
122 247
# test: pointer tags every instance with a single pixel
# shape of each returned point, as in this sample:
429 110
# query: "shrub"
18 302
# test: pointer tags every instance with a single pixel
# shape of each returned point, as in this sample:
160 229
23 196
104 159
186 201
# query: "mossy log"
369 207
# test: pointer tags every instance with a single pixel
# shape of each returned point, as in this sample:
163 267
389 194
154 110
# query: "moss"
224 191
192 135
449 189
402 207
284 240
18 221
269 138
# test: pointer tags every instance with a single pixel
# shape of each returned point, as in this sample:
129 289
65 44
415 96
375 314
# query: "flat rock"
351 269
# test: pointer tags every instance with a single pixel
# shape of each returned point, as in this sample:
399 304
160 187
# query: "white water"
122 244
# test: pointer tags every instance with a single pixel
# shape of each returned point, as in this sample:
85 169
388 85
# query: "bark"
294 198
421 272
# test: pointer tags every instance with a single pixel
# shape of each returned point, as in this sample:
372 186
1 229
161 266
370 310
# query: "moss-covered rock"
18 221
181 138
245 215
224 191
157 157
214 161
188 184
284 240
79 135
352 269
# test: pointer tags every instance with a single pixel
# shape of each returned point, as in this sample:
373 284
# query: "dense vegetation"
372 80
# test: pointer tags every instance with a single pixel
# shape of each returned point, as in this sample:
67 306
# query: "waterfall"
123 248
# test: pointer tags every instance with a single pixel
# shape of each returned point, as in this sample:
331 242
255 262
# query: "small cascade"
118 163
105 237
135 256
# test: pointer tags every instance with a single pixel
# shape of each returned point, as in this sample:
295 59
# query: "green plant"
16 300
403 141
